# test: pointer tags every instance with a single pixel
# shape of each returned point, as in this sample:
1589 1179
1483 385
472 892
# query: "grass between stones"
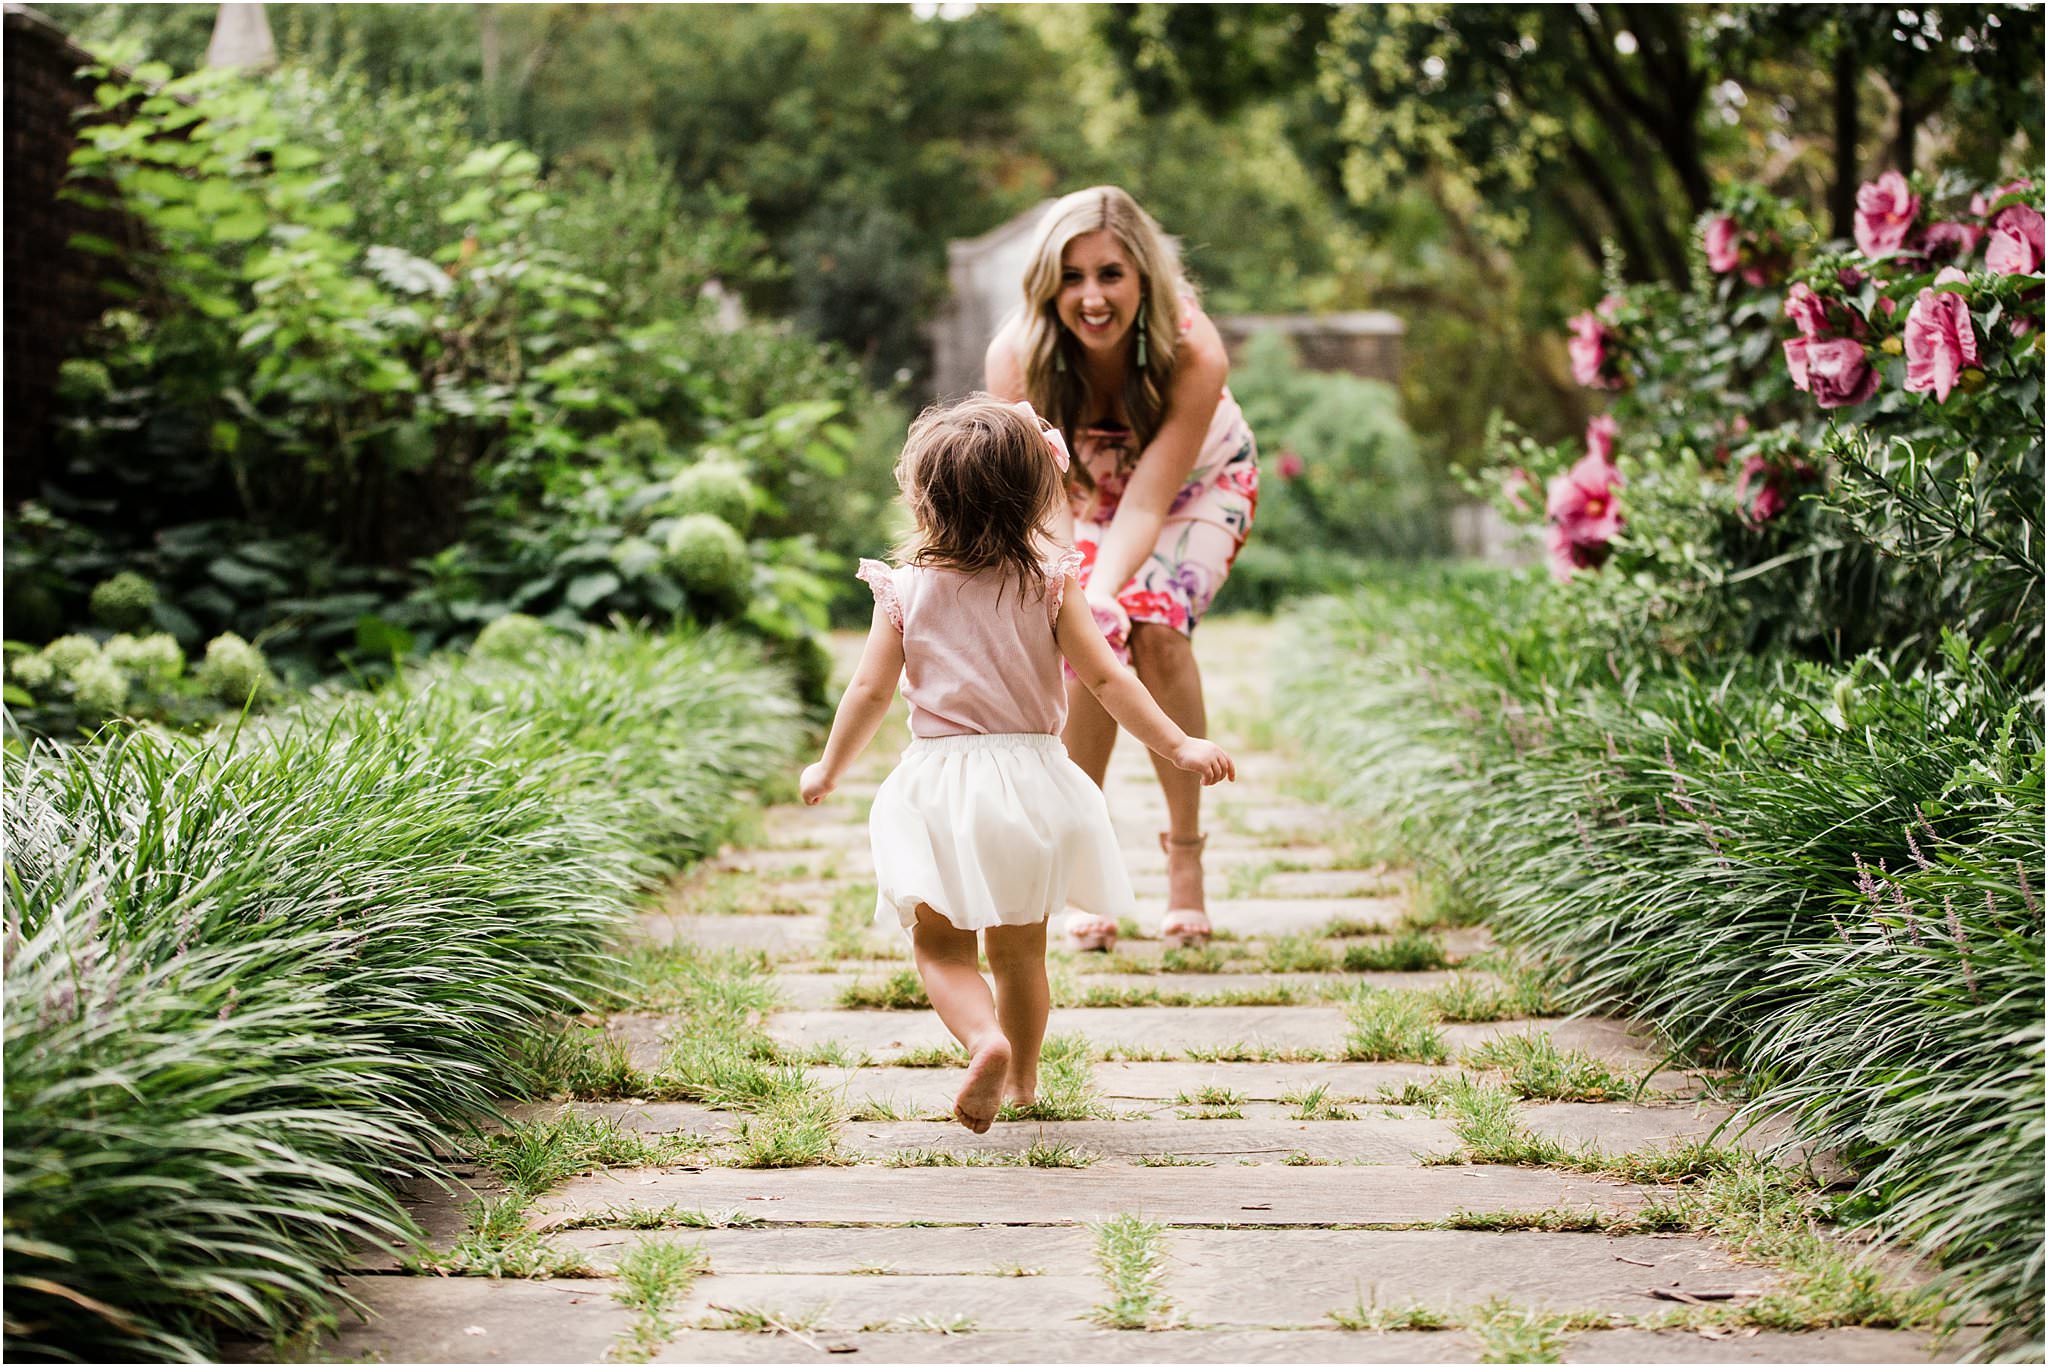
1129 1251
1211 1103
1041 1154
653 1278
1758 1208
1519 1333
671 1216
1411 951
1393 1027
530 1157
1373 1318
498 1243
1066 1085
754 1320
1316 1103
1537 1069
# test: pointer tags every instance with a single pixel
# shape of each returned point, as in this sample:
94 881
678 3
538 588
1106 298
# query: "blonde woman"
1112 348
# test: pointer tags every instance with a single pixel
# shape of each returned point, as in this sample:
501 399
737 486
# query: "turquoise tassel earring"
1141 335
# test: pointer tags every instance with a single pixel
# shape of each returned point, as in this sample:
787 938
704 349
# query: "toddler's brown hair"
981 479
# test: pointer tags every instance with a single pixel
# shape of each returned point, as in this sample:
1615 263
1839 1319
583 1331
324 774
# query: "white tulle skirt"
1000 830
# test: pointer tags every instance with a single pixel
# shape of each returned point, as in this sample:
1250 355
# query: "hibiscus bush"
1833 446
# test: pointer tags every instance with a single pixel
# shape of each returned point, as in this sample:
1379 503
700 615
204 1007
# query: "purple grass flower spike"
228 1007
2026 890
1962 942
1918 857
1865 884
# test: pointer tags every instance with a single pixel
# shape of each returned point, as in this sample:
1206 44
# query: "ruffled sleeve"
878 577
1056 572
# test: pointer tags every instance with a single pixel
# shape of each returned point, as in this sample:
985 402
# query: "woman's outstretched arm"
1166 461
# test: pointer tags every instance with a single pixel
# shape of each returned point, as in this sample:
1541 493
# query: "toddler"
986 825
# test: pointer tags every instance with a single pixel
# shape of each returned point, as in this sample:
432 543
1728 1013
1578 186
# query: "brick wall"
52 292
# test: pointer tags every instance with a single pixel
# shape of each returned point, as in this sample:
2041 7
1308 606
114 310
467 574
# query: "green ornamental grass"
1826 878
251 977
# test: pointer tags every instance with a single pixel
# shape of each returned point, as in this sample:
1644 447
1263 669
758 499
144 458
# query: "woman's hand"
1111 620
1205 758
816 785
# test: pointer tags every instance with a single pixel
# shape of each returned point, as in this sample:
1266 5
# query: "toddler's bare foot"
980 1096
1023 1098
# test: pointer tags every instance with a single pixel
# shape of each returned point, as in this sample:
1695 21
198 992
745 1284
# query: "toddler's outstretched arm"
1124 698
861 708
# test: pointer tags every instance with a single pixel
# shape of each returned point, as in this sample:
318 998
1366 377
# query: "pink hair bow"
1054 438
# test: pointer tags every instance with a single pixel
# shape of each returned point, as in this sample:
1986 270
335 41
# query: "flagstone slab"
1296 883
1824 1345
777 935
1378 1139
986 1251
845 1304
1348 1082
1063 1196
440 1210
882 1033
1450 1270
477 1319
1623 1129
1265 917
838 861
639 1117
1622 1043
822 991
1458 944
1093 1345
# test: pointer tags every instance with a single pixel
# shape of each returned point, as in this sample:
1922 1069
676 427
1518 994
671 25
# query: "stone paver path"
1293 1201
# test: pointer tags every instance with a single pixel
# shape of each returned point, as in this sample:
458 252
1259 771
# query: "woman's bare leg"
950 966
1165 661
1091 732
1016 956
1090 736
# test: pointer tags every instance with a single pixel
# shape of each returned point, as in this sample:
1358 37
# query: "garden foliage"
1342 479
368 384
1763 763
252 977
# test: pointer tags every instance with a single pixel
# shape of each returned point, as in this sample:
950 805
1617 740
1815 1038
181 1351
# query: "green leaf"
586 589
245 226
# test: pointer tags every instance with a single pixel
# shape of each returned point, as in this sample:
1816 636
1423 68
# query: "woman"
1111 347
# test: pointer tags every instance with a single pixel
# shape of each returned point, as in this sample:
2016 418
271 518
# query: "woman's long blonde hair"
1054 379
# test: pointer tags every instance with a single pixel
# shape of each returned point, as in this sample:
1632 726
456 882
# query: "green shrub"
718 488
708 556
233 672
511 637
124 602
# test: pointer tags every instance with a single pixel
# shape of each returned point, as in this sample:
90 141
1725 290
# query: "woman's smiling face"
1099 290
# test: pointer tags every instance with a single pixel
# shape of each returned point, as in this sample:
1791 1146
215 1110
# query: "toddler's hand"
814 785
1205 758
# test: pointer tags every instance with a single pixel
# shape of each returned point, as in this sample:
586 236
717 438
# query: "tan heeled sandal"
1184 927
1100 939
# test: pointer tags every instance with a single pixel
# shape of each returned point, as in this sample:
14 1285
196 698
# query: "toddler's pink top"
979 656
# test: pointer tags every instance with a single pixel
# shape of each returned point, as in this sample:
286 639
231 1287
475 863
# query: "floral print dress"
1205 525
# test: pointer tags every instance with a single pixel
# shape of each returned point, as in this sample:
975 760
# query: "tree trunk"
1842 194
492 42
